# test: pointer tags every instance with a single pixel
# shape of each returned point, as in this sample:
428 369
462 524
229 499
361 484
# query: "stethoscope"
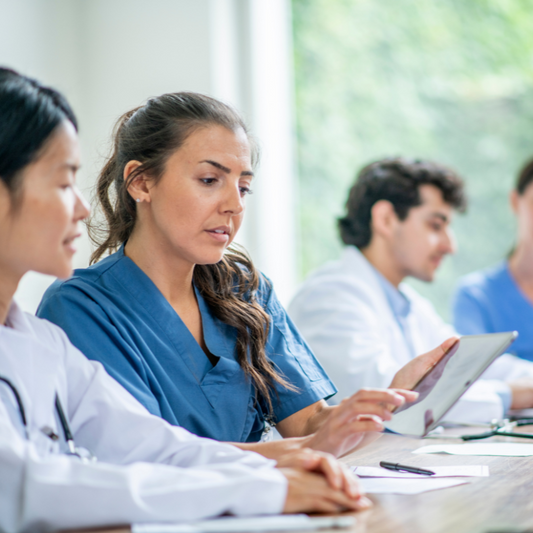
73 450
501 428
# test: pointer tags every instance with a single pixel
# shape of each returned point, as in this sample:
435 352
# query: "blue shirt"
490 301
115 314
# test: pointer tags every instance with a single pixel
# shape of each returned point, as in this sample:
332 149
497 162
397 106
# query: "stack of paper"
440 471
377 480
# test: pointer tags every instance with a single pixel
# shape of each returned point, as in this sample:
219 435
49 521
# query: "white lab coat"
147 469
344 314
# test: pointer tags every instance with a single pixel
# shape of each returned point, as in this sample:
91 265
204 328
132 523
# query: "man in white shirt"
362 321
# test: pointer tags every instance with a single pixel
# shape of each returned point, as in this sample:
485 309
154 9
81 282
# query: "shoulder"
348 279
85 296
48 333
483 281
83 280
266 295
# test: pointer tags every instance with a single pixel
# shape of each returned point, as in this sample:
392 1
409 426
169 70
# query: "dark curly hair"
398 181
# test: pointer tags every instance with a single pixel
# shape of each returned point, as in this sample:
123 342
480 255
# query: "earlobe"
513 199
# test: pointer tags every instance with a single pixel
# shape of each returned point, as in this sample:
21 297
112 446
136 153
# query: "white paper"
377 485
300 522
440 471
487 448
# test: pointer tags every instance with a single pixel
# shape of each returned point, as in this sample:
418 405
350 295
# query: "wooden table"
500 503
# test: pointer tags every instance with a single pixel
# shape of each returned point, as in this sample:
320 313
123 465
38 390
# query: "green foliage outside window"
449 80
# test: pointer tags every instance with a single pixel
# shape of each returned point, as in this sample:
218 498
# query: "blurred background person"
500 298
360 318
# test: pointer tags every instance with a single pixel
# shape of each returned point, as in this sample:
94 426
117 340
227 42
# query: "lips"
70 240
220 234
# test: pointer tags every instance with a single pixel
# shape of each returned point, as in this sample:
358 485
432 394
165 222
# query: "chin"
427 277
212 259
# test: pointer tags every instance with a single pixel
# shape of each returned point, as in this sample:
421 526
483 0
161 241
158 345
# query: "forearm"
317 419
306 421
274 449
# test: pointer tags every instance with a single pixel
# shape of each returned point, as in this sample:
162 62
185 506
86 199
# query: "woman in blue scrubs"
500 298
182 319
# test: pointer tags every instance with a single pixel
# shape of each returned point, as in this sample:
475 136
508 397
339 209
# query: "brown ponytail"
150 134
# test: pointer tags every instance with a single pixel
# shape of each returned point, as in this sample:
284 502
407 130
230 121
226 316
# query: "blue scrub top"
115 314
490 301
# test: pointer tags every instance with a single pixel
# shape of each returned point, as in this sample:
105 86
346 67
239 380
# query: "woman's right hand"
308 492
347 423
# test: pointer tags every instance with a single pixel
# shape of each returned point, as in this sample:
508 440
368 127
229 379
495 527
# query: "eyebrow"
442 217
72 166
226 169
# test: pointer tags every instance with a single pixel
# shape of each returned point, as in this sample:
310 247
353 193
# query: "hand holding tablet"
447 381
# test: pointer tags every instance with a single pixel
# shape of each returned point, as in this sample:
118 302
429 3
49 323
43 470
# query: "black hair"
396 180
29 114
524 178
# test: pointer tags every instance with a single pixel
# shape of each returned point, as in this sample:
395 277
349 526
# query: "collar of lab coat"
355 264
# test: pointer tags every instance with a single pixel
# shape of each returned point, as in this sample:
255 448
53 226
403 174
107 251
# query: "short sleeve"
293 359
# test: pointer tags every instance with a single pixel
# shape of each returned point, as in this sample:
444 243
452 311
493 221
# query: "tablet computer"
447 381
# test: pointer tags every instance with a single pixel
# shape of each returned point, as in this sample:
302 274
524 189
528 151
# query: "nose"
449 243
82 208
233 201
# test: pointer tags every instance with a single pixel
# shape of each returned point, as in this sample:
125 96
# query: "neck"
520 263
8 287
171 275
379 257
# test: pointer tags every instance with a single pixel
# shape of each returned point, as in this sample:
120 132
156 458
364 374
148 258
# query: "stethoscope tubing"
60 412
497 433
18 399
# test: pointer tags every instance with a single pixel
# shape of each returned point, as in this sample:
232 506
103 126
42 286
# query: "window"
450 81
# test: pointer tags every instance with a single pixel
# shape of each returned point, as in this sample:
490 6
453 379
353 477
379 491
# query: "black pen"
404 468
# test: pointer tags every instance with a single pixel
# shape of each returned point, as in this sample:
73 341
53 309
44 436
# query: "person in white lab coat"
362 322
57 408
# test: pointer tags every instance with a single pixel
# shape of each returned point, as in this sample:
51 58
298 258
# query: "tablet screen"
447 381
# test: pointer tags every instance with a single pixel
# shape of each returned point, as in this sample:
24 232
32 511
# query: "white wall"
108 56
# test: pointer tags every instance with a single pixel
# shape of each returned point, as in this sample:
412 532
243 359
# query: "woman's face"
38 232
522 205
197 206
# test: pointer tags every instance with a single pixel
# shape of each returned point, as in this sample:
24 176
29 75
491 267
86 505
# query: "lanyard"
81 453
